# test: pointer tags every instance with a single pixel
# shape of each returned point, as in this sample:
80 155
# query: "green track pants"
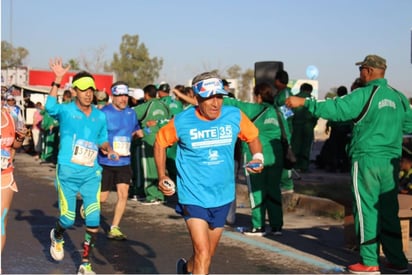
376 209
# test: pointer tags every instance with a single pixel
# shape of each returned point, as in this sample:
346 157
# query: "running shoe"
85 268
360 268
152 202
133 198
56 247
116 234
181 266
260 231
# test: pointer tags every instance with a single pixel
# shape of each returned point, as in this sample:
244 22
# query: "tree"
246 85
74 64
133 63
234 71
96 63
244 79
12 57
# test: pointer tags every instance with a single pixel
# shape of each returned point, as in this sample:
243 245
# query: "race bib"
5 159
84 153
121 145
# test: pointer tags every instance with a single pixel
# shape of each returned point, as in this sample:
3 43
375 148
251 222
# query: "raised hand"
56 65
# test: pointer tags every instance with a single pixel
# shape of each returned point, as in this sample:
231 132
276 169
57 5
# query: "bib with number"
121 145
84 153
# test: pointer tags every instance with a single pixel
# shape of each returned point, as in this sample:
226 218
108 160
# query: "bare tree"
94 61
234 71
246 85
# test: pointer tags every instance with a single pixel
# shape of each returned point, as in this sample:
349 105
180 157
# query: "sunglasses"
362 67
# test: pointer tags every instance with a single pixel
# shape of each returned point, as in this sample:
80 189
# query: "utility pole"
11 22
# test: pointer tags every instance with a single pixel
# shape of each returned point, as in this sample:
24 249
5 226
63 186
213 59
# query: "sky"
196 36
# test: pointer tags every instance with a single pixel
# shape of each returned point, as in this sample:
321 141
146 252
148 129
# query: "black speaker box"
265 71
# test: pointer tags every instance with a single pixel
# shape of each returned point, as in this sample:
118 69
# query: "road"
157 237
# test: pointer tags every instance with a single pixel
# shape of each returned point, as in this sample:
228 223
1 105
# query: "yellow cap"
84 83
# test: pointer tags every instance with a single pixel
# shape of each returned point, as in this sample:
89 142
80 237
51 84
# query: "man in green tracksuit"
50 138
175 106
265 186
173 103
302 133
152 115
283 92
381 116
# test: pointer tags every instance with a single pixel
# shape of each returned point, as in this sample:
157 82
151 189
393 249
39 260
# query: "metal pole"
11 22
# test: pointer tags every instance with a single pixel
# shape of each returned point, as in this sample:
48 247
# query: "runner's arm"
164 138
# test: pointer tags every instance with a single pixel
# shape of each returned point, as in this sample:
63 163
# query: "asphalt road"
157 237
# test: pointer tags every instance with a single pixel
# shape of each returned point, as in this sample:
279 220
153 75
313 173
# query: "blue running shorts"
215 216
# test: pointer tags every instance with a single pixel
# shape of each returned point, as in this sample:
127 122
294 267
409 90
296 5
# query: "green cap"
373 61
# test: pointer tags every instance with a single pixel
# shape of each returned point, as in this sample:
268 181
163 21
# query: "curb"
295 202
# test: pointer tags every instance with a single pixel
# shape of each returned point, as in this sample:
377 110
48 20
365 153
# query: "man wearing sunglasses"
381 116
83 131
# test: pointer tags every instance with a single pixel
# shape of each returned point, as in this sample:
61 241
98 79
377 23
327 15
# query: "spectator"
405 174
50 138
37 131
357 83
100 99
264 187
67 96
83 132
152 115
282 93
27 103
226 87
136 97
205 195
231 216
375 156
188 91
303 123
336 158
174 104
14 109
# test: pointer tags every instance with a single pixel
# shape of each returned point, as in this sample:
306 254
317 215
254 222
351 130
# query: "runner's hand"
56 65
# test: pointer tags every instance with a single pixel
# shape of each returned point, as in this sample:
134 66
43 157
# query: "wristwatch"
55 84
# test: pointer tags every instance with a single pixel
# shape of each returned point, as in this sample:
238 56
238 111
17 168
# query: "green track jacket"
379 130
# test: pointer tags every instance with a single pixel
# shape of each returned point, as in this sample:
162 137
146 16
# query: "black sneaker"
260 231
181 266
396 269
